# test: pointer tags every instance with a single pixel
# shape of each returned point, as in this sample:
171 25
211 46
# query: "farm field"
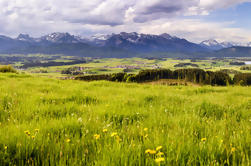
47 121
92 66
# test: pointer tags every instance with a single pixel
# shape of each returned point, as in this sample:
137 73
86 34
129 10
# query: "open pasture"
47 121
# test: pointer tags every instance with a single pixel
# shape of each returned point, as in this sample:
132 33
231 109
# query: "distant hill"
234 52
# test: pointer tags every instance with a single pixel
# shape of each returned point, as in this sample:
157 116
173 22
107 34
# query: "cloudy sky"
195 20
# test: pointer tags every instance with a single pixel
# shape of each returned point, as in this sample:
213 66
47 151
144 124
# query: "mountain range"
118 45
215 45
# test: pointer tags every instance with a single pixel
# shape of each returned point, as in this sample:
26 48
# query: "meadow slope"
47 121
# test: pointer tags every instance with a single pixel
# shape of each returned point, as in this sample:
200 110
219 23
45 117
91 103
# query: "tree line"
197 76
52 63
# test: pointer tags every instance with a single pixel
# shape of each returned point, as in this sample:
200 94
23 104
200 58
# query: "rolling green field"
115 65
45 121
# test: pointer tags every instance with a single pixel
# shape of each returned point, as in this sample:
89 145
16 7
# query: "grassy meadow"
45 121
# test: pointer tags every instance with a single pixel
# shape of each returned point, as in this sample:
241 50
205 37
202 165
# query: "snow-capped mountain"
246 44
60 38
100 37
150 43
123 44
215 45
25 37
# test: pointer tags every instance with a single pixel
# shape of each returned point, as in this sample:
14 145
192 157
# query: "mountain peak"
167 36
213 44
24 37
58 37
210 42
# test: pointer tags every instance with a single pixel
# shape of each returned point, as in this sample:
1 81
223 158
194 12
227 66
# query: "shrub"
237 63
247 67
119 77
220 78
242 79
186 64
7 69
94 77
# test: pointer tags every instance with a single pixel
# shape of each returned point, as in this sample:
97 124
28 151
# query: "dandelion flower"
152 152
5 147
149 151
27 132
145 129
158 148
158 160
96 136
233 149
68 140
203 139
114 134
160 154
105 130
33 137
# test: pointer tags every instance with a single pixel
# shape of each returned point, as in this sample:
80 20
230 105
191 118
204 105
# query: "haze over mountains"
118 45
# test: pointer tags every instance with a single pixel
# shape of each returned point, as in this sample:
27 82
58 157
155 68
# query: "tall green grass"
52 122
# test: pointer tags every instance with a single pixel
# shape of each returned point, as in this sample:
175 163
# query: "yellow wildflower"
105 130
5 147
203 139
146 136
37 130
149 151
27 132
96 136
158 160
152 152
160 154
33 137
145 129
233 149
158 148
68 140
114 134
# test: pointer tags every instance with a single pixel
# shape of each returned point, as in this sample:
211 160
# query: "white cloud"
38 17
196 30
215 4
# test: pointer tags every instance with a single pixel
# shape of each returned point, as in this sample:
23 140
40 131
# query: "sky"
195 20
